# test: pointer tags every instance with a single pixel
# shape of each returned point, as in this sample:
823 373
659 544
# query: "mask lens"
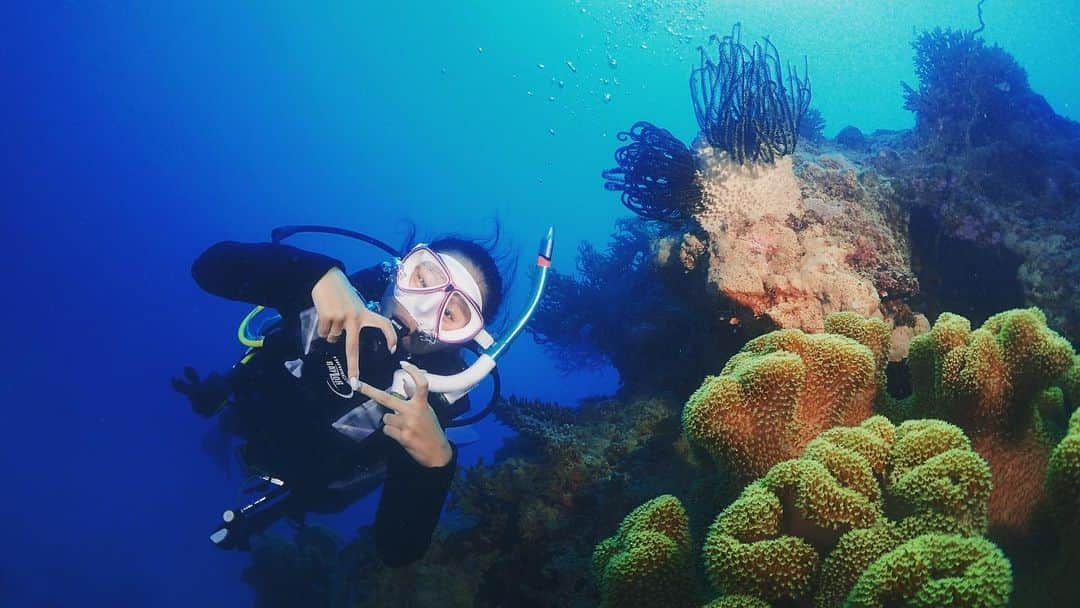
460 319
428 274
456 313
422 270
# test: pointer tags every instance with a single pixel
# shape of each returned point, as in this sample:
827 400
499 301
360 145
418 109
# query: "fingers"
420 381
191 375
325 323
352 348
394 420
336 327
388 331
383 398
394 433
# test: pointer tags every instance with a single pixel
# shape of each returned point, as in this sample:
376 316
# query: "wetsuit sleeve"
412 500
268 274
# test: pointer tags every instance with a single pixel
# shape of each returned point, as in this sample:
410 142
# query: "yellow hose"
241 332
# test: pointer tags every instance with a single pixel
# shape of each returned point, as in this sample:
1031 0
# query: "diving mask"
440 294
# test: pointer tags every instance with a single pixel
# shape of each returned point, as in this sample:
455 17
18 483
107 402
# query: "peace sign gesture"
413 423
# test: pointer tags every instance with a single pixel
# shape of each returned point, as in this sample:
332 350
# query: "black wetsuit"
287 425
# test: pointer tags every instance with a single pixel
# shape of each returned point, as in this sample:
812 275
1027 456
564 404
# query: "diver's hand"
340 309
413 423
206 396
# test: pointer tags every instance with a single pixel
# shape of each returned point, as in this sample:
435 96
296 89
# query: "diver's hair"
494 265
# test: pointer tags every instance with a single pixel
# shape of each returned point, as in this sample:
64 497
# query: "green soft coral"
1007 385
1063 476
737 601
853 554
1035 354
875 335
767 542
770 542
746 553
779 392
986 379
936 482
936 571
821 496
647 563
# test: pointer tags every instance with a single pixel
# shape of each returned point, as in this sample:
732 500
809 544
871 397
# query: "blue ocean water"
137 134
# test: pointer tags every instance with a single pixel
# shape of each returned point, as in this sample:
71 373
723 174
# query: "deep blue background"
134 135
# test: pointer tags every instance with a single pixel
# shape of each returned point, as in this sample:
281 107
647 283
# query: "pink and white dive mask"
441 296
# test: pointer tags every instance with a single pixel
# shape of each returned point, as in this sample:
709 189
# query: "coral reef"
995 176
971 94
997 382
618 309
941 218
866 512
797 240
780 391
936 570
521 531
648 562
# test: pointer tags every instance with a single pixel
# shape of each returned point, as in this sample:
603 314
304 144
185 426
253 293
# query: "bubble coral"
936 570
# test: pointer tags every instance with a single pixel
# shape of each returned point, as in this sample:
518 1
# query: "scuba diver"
355 381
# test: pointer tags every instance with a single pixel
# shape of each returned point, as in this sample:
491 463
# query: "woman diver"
319 431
